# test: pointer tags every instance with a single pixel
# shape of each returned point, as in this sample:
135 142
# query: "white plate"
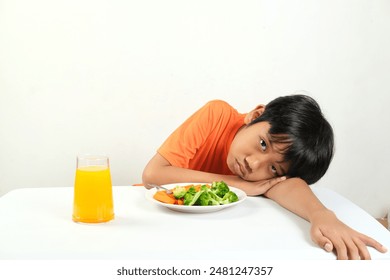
194 208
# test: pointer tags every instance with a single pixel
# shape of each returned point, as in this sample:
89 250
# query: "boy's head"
289 136
297 121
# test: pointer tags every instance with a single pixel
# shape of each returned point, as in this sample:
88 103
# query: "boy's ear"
254 114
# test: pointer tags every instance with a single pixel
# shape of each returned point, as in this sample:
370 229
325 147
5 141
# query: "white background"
116 77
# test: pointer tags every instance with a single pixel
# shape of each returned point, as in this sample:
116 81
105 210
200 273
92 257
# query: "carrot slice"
164 197
197 187
188 186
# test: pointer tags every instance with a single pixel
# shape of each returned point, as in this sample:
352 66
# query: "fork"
158 187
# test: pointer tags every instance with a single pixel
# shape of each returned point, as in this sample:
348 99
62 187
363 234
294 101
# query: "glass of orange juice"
93 201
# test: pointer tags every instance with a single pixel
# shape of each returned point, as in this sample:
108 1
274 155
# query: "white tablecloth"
35 223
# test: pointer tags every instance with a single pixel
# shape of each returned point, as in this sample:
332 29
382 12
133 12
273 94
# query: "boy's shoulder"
219 110
218 104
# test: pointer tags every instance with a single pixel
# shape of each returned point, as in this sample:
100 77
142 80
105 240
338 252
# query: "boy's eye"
263 145
273 169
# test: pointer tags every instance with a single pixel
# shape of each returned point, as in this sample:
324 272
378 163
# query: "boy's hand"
328 232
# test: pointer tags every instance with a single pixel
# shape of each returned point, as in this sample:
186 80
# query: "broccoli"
219 193
189 195
220 188
192 196
179 192
207 198
229 197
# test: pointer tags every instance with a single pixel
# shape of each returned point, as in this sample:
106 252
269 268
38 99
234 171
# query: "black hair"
297 121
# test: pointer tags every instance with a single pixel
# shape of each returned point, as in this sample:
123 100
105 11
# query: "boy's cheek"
230 163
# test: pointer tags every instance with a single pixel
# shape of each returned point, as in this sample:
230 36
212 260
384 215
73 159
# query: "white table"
35 223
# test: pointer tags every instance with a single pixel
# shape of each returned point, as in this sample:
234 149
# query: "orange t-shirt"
202 142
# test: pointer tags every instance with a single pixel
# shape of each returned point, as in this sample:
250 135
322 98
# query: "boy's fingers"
322 241
276 180
374 244
270 183
328 247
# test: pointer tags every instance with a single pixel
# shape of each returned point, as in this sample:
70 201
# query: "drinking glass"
93 201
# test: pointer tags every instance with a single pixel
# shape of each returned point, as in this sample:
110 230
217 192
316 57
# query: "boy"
275 150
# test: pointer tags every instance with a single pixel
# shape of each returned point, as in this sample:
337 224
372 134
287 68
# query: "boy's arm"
326 229
293 194
160 171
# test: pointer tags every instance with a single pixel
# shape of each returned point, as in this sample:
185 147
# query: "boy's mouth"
239 169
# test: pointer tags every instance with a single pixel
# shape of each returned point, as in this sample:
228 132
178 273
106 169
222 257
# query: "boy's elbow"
146 177
154 171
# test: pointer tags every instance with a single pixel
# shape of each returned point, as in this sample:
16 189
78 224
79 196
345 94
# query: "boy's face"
253 157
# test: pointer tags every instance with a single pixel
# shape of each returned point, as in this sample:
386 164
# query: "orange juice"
93 202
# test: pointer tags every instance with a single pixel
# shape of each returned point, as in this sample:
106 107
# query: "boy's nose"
257 162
